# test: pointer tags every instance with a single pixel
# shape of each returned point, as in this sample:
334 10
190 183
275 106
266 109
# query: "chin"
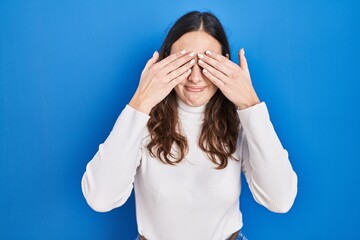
195 97
196 103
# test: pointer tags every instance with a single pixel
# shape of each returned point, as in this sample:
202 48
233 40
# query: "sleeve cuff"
257 111
130 108
133 116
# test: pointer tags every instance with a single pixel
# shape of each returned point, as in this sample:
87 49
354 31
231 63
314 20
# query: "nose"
196 74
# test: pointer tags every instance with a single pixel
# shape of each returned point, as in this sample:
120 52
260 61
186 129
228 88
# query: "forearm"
269 172
107 181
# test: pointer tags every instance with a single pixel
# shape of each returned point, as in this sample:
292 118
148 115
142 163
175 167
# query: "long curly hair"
220 129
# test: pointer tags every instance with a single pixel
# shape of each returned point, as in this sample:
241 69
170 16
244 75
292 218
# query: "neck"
189 113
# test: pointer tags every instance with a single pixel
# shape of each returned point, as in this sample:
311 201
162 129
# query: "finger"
214 72
179 79
152 60
179 71
215 64
221 59
171 58
177 63
213 79
242 60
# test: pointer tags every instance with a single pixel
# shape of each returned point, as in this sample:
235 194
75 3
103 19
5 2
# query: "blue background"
67 69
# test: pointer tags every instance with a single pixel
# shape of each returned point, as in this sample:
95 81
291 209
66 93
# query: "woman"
194 123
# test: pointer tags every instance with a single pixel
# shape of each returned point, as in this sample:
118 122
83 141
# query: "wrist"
140 105
250 104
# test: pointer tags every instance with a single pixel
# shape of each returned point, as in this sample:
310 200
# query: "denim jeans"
240 236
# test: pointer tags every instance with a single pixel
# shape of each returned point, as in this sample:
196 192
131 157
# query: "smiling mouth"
194 89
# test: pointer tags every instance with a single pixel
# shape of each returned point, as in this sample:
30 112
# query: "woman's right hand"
159 78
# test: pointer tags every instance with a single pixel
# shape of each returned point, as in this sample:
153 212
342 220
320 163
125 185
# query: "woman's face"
196 90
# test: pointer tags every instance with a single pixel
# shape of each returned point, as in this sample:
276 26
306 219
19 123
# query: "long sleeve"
108 180
265 163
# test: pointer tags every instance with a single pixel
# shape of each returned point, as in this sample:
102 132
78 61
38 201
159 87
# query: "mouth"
194 89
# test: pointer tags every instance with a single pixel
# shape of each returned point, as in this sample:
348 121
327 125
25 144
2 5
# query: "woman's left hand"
233 80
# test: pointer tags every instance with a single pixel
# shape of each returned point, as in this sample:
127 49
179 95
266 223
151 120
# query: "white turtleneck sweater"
191 200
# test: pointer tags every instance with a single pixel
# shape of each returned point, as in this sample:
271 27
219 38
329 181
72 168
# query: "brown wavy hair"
218 138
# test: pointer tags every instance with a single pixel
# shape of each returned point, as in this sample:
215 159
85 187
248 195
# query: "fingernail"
192 54
243 51
205 71
208 52
189 70
183 51
200 56
154 53
192 61
201 61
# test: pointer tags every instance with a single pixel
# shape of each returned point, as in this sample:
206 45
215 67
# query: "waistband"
232 237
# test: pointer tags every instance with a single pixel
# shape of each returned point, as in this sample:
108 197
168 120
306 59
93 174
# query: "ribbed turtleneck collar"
190 114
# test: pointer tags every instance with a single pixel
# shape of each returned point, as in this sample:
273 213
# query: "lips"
194 89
